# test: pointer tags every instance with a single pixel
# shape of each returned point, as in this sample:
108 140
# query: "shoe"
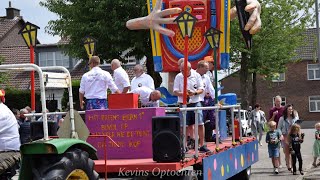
276 170
301 172
280 166
260 144
294 173
204 149
314 164
290 169
191 143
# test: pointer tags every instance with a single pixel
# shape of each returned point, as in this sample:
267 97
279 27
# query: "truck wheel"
73 164
244 175
191 175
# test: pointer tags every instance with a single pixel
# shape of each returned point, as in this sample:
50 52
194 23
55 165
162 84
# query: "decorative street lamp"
185 22
89 44
213 37
29 34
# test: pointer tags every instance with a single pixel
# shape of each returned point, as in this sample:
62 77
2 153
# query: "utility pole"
318 33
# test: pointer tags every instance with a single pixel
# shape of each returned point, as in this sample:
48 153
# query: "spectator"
25 129
257 119
141 78
273 138
120 76
284 126
277 111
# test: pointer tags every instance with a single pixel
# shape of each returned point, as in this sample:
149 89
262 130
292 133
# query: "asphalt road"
263 169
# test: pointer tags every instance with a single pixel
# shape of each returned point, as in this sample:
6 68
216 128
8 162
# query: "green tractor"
67 157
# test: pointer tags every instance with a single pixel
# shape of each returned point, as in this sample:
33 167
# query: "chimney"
12 12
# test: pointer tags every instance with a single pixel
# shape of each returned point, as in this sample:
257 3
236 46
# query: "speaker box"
166 143
36 128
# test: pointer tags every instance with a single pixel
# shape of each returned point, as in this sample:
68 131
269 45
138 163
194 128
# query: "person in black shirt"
295 139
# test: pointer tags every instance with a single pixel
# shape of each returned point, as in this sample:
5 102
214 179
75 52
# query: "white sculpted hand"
254 23
155 19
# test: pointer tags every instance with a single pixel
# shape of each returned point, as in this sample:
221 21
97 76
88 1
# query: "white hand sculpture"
154 19
254 23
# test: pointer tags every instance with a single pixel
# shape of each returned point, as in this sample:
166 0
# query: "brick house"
299 85
13 48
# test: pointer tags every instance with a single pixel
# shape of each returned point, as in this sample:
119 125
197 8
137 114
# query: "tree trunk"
244 81
254 89
155 75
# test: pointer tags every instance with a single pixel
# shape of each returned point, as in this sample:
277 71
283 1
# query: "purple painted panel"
131 129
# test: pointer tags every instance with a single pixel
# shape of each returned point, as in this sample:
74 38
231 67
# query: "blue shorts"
190 120
273 152
96 104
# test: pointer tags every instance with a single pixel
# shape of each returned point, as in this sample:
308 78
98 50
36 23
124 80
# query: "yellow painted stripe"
155 36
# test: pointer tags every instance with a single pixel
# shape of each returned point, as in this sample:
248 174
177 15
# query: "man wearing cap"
93 86
9 137
120 76
209 59
141 79
148 97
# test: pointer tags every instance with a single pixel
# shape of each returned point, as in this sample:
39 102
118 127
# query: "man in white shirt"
120 76
93 86
194 89
148 97
9 137
141 78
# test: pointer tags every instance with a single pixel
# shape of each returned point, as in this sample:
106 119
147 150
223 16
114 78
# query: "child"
273 138
295 138
316 146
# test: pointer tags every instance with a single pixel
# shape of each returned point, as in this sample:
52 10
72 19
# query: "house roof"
7 24
308 51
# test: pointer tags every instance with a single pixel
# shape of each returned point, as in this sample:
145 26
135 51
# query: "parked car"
244 116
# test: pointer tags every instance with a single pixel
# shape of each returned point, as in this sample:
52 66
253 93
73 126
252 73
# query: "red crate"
123 101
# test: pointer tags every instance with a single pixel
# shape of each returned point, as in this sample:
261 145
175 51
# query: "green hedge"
19 99
75 94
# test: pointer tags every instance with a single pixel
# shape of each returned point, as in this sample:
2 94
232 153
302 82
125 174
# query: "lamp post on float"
213 37
29 34
89 44
186 23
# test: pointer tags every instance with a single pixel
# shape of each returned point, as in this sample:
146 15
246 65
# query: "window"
314 103
313 71
278 77
283 101
56 58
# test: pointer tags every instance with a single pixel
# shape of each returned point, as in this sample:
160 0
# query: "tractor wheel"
73 164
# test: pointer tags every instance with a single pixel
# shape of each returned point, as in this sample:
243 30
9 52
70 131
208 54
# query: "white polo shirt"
194 82
95 83
121 78
9 130
144 93
208 87
143 80
211 76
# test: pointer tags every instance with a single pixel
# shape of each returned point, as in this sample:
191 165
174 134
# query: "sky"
31 11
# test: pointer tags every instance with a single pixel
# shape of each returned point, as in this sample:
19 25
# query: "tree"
104 20
274 46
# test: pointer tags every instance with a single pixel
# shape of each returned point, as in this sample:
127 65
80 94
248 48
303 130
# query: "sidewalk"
311 173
